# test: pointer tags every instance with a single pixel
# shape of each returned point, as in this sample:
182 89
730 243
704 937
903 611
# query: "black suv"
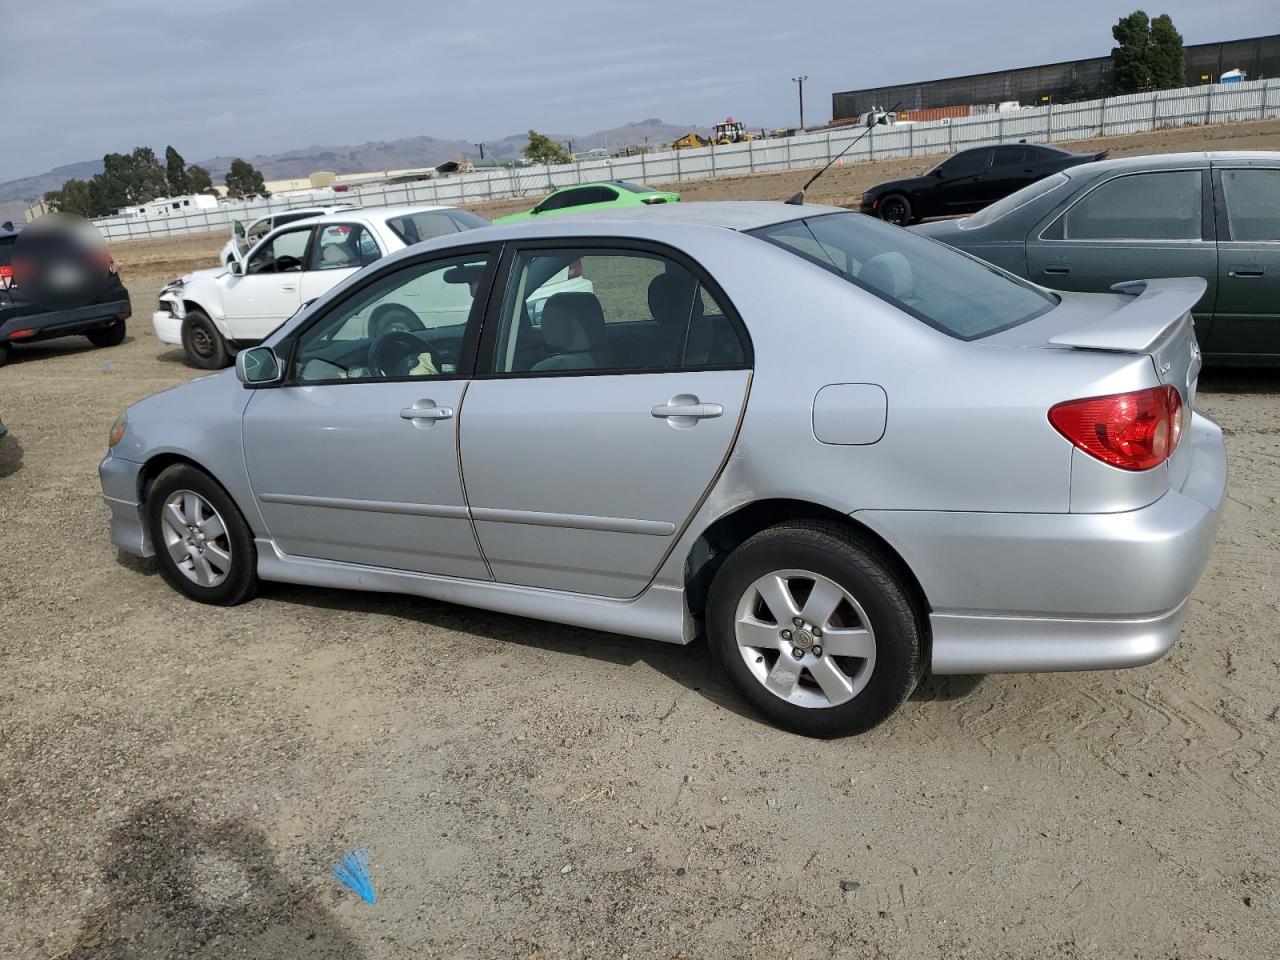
968 181
102 320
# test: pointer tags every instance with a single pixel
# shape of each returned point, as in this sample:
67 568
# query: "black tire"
241 580
111 336
896 208
856 566
202 343
4 354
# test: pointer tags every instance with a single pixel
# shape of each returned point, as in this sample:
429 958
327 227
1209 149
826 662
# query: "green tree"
72 198
1168 54
127 179
245 180
1131 57
198 180
542 149
175 172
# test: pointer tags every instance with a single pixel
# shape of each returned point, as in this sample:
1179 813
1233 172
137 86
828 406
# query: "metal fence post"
1048 133
713 160
1102 118
871 143
751 152
911 140
951 137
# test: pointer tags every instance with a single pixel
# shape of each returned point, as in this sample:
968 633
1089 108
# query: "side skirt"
657 614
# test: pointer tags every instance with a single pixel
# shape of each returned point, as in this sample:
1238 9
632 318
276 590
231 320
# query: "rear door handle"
1245 273
288 287
685 409
1057 271
426 410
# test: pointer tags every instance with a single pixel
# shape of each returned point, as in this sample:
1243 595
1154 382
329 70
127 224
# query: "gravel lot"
175 780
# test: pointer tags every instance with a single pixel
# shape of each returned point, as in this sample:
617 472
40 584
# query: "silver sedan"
844 453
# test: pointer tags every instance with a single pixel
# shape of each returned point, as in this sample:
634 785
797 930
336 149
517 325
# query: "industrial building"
1258 57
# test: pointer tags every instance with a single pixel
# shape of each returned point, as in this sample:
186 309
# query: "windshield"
1013 201
950 291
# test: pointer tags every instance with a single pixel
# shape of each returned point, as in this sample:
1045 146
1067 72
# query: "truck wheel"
815 629
896 208
111 336
202 342
203 545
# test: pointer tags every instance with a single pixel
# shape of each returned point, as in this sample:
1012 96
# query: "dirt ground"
176 780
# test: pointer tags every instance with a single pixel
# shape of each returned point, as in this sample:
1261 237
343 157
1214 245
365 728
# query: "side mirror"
236 267
258 367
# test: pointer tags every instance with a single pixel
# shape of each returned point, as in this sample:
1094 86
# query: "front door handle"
685 410
1057 271
426 410
1245 273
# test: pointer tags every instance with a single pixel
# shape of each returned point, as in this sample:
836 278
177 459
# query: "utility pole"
800 81
481 146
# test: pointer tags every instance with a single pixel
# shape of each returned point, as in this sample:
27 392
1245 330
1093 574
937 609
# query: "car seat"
573 328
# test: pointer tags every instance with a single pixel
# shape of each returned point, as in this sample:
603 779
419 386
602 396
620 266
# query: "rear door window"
1253 203
1162 205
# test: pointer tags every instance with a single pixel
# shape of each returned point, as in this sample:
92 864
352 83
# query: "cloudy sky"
82 77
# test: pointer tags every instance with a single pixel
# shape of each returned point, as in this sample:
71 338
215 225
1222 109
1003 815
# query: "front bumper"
168 328
121 491
1014 593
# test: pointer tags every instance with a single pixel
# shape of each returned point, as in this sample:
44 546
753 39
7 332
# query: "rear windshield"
950 291
633 187
428 224
1013 201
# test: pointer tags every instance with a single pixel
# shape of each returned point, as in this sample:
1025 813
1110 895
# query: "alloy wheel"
805 638
196 538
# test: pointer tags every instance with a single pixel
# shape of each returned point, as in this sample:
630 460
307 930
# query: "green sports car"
594 196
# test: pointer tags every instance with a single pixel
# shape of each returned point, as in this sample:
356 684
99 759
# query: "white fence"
1136 113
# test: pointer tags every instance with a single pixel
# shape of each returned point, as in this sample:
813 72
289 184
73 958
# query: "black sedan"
968 181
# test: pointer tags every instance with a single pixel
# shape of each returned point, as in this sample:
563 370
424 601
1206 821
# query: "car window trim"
1222 215
1208 232
470 338
488 347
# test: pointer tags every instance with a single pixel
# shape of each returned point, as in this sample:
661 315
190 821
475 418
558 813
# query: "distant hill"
17 195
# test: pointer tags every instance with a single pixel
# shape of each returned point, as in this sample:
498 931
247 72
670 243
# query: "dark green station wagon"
1211 215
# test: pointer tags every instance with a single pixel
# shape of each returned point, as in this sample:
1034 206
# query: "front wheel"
815 629
204 546
202 343
111 336
896 208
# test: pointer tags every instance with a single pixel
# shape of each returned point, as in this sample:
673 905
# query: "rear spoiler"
1135 327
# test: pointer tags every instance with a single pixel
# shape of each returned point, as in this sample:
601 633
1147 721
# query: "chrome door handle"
686 407
426 410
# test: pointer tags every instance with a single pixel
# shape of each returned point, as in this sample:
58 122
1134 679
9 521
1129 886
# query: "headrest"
671 296
572 322
890 273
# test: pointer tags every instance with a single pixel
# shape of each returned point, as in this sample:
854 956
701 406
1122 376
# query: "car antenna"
797 200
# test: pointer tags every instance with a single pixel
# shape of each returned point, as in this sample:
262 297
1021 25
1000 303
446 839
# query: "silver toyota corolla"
846 453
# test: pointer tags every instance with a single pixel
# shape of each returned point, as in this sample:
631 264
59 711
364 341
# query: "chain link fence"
1112 116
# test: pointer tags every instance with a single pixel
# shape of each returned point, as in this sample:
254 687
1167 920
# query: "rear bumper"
168 328
1029 592
120 491
45 325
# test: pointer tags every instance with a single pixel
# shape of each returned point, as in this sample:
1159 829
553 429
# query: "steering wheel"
394 316
287 263
395 353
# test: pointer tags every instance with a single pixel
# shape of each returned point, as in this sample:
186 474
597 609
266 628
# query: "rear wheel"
4 354
111 336
896 208
204 547
202 342
815 629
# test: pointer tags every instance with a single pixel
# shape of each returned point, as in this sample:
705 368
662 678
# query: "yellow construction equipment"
731 131
690 141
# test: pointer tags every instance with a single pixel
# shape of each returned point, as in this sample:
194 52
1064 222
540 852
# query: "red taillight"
6 276
1132 431
575 269
19 334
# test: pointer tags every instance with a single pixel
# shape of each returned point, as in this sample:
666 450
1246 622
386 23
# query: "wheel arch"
729 531
160 462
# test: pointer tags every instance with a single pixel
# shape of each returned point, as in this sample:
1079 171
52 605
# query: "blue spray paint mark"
352 872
